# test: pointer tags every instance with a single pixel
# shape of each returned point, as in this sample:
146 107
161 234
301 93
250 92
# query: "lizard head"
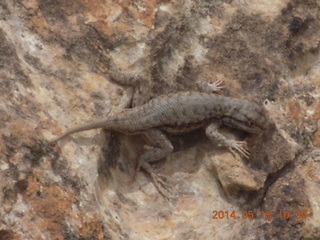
247 116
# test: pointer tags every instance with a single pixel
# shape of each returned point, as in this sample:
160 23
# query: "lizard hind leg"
139 83
160 148
233 145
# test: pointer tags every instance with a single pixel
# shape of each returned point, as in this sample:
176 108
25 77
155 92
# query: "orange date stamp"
258 215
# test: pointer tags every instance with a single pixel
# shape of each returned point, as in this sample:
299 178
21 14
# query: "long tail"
88 126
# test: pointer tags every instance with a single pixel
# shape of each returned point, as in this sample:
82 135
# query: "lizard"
178 113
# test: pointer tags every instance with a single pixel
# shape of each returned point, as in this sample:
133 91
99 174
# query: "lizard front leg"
161 147
233 145
214 87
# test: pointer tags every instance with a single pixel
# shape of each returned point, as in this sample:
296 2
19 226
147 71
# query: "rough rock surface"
53 61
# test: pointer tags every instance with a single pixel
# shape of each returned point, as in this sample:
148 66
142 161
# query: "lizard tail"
84 127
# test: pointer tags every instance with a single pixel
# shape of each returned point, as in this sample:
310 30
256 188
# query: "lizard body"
181 109
178 113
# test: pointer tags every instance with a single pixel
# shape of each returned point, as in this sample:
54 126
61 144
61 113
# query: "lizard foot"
216 86
240 147
211 87
160 184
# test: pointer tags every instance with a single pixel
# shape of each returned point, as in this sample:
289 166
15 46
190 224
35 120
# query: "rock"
55 61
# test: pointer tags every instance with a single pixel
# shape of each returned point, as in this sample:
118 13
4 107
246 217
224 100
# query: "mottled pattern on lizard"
178 113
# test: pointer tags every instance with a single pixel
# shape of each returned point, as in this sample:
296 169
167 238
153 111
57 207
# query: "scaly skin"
178 113
180 109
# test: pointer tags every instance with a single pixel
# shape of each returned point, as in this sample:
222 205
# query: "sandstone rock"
54 61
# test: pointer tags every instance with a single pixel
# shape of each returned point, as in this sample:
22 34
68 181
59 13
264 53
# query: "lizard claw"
161 185
216 86
211 87
240 147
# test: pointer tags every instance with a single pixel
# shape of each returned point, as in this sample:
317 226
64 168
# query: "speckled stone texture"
54 62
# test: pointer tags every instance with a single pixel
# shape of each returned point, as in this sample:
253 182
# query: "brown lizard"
179 113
